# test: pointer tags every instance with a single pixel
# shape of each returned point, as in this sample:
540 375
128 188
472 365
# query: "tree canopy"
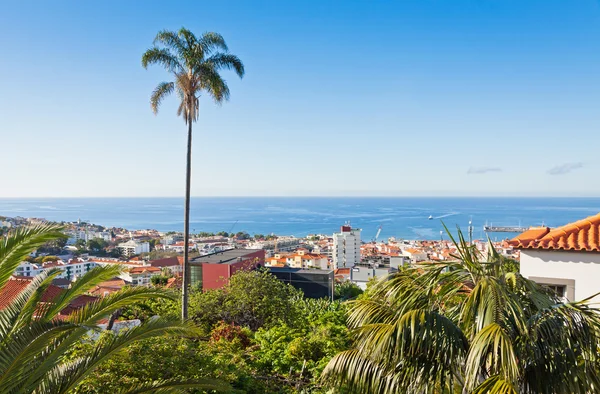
252 299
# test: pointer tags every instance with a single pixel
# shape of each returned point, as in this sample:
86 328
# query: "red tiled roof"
141 270
11 290
582 235
102 290
14 287
166 262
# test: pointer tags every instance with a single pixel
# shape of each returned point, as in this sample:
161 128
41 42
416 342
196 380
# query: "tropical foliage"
286 354
252 299
195 63
468 326
36 339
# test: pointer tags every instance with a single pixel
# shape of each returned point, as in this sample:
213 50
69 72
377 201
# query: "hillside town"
151 257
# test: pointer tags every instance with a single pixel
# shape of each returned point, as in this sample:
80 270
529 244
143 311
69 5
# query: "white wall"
581 267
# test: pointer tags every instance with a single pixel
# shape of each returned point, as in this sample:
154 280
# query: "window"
560 290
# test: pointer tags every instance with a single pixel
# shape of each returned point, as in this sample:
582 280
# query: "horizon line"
309 196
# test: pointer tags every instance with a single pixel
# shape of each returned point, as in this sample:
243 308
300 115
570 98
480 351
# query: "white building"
28 269
280 244
346 247
415 255
71 270
179 247
133 247
85 235
567 259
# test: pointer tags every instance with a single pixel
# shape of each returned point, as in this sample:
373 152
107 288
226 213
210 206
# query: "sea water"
400 217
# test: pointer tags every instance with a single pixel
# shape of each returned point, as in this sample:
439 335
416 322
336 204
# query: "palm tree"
468 326
35 338
195 63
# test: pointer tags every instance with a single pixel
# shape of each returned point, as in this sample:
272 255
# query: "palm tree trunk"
185 287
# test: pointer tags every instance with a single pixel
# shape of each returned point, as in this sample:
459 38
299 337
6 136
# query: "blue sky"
339 98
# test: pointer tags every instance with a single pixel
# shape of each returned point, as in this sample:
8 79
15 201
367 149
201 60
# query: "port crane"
377 235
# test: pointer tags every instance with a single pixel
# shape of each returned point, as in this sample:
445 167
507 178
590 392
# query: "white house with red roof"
140 276
566 259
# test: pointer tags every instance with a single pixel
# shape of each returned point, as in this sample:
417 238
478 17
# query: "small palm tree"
35 338
195 63
468 326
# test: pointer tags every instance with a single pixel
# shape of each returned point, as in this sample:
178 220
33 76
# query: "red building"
215 269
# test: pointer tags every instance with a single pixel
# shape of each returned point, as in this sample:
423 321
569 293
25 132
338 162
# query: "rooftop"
225 257
582 235
299 271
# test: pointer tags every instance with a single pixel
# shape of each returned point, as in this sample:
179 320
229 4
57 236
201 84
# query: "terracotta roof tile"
14 287
174 283
582 235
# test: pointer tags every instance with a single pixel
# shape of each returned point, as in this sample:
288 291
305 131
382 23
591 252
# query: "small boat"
430 217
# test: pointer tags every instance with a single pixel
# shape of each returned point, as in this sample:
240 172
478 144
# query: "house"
179 247
415 255
566 259
300 259
171 263
108 287
361 274
140 276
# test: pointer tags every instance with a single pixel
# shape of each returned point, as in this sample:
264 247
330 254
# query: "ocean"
400 217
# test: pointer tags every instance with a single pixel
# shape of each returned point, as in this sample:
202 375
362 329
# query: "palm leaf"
19 243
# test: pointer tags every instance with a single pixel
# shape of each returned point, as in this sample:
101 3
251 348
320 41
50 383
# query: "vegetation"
195 63
96 245
285 355
159 280
346 291
252 299
473 325
37 342
468 326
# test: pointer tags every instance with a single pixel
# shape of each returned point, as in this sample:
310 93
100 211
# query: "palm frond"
104 307
84 284
22 309
176 386
170 39
211 81
158 95
211 41
163 57
358 373
228 62
495 385
491 353
17 245
65 377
